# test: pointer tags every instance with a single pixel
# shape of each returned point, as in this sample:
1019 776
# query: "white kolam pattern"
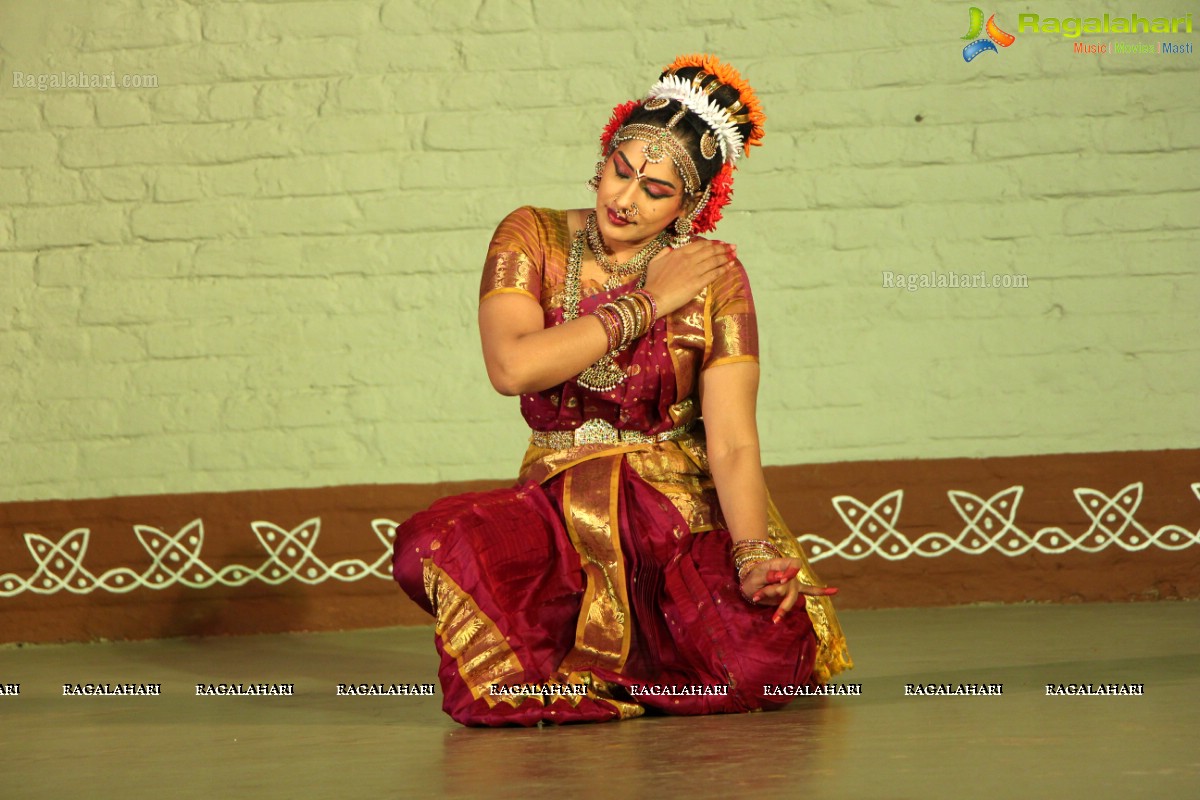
988 526
176 561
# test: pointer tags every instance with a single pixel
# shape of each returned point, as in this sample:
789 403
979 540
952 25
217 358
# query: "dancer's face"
629 180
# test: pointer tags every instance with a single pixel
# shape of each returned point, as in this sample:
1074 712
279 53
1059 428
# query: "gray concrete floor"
880 745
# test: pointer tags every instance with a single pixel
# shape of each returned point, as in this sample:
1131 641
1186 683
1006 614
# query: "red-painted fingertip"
791 573
828 590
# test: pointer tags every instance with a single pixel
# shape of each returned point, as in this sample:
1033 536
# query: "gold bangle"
749 552
626 325
636 302
754 544
634 317
749 558
745 570
650 304
644 321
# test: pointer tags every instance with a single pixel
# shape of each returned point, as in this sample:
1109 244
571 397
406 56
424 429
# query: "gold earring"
593 183
683 232
683 224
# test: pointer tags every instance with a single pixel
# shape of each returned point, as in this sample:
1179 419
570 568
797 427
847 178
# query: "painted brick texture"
256 266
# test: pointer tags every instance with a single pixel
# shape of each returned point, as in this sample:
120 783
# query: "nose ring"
633 210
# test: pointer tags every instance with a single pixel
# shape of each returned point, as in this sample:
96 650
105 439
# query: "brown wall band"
1056 528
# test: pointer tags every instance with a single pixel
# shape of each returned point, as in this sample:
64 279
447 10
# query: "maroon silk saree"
600 586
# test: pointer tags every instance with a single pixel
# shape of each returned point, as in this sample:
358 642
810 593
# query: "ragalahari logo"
995 36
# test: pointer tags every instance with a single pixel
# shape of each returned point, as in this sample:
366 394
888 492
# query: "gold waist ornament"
599 431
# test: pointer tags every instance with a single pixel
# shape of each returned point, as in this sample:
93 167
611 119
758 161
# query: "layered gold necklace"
604 374
616 271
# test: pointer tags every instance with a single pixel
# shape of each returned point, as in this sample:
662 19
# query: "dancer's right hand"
675 276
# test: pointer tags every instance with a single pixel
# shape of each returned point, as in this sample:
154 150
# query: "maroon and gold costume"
607 565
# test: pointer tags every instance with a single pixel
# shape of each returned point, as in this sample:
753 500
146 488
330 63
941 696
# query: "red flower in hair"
619 115
720 190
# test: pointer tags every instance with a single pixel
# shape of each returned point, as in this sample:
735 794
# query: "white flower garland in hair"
673 87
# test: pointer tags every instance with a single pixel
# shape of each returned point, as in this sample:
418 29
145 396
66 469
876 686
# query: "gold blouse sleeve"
730 326
515 257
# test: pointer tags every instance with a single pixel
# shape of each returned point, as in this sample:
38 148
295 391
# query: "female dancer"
638 564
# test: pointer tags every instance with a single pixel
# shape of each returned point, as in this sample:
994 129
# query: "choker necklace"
631 267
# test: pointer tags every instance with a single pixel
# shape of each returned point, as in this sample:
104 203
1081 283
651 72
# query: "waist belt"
598 431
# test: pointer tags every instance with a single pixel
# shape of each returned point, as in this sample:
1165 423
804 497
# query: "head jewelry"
720 137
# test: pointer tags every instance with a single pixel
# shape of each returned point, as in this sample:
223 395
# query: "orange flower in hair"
730 77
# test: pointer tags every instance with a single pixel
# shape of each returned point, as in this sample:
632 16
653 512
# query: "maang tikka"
660 143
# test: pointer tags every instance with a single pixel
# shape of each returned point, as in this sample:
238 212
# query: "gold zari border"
471 638
603 635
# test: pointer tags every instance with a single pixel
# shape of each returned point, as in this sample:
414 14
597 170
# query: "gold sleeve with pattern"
730 326
515 257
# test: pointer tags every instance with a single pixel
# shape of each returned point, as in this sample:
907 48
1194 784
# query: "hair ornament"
750 106
696 100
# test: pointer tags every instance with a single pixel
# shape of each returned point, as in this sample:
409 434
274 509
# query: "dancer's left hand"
773 583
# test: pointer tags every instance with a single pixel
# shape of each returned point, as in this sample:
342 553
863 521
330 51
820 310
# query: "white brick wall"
262 273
